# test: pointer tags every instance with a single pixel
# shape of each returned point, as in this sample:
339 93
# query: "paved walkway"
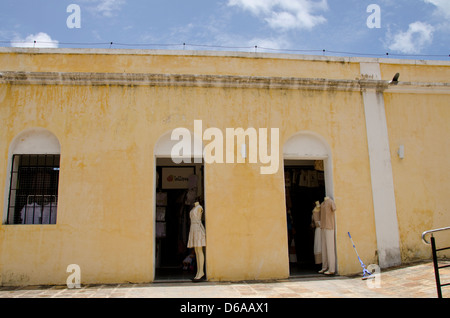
412 281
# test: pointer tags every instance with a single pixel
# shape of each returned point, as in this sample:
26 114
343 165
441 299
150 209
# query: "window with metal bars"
33 191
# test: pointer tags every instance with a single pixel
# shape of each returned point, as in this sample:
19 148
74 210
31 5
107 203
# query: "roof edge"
232 54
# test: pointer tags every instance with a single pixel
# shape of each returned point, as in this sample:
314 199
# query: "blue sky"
405 29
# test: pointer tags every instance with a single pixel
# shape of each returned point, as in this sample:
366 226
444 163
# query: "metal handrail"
431 232
434 251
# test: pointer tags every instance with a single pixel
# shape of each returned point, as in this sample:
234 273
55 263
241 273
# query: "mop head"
367 274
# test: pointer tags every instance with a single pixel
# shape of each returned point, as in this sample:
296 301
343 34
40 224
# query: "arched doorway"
178 184
308 179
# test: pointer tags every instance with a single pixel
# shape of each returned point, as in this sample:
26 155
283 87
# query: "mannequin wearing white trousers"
327 226
317 234
197 238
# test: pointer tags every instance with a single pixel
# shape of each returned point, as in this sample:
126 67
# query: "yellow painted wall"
107 135
190 62
421 179
418 71
420 122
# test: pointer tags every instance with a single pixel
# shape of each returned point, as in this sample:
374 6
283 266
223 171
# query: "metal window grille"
33 194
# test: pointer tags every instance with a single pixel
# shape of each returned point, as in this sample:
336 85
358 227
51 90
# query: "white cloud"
106 8
443 6
247 44
285 14
43 40
418 35
270 43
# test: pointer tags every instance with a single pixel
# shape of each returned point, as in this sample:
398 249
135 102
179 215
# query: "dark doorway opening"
304 185
178 187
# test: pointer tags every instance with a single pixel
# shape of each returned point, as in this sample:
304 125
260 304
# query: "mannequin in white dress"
197 239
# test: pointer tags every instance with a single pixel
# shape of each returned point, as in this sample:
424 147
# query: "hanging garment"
303 181
287 179
317 246
318 165
49 214
161 213
294 177
160 229
317 236
327 209
161 199
31 214
197 233
312 179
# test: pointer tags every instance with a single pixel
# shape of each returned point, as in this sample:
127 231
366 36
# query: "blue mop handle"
365 271
351 239
355 248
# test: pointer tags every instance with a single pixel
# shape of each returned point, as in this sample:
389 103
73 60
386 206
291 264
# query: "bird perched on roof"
394 81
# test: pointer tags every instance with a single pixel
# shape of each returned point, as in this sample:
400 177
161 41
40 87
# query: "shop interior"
178 187
304 185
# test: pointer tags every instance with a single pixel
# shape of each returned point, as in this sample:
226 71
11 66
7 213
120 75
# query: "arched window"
34 162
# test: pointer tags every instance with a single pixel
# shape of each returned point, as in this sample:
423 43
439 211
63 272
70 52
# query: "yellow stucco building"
87 146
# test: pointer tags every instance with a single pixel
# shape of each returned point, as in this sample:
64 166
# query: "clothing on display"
31 213
303 186
43 211
308 178
312 179
291 241
328 252
178 187
287 179
161 198
161 203
327 209
317 234
160 230
49 214
327 225
318 165
197 233
303 180
160 213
